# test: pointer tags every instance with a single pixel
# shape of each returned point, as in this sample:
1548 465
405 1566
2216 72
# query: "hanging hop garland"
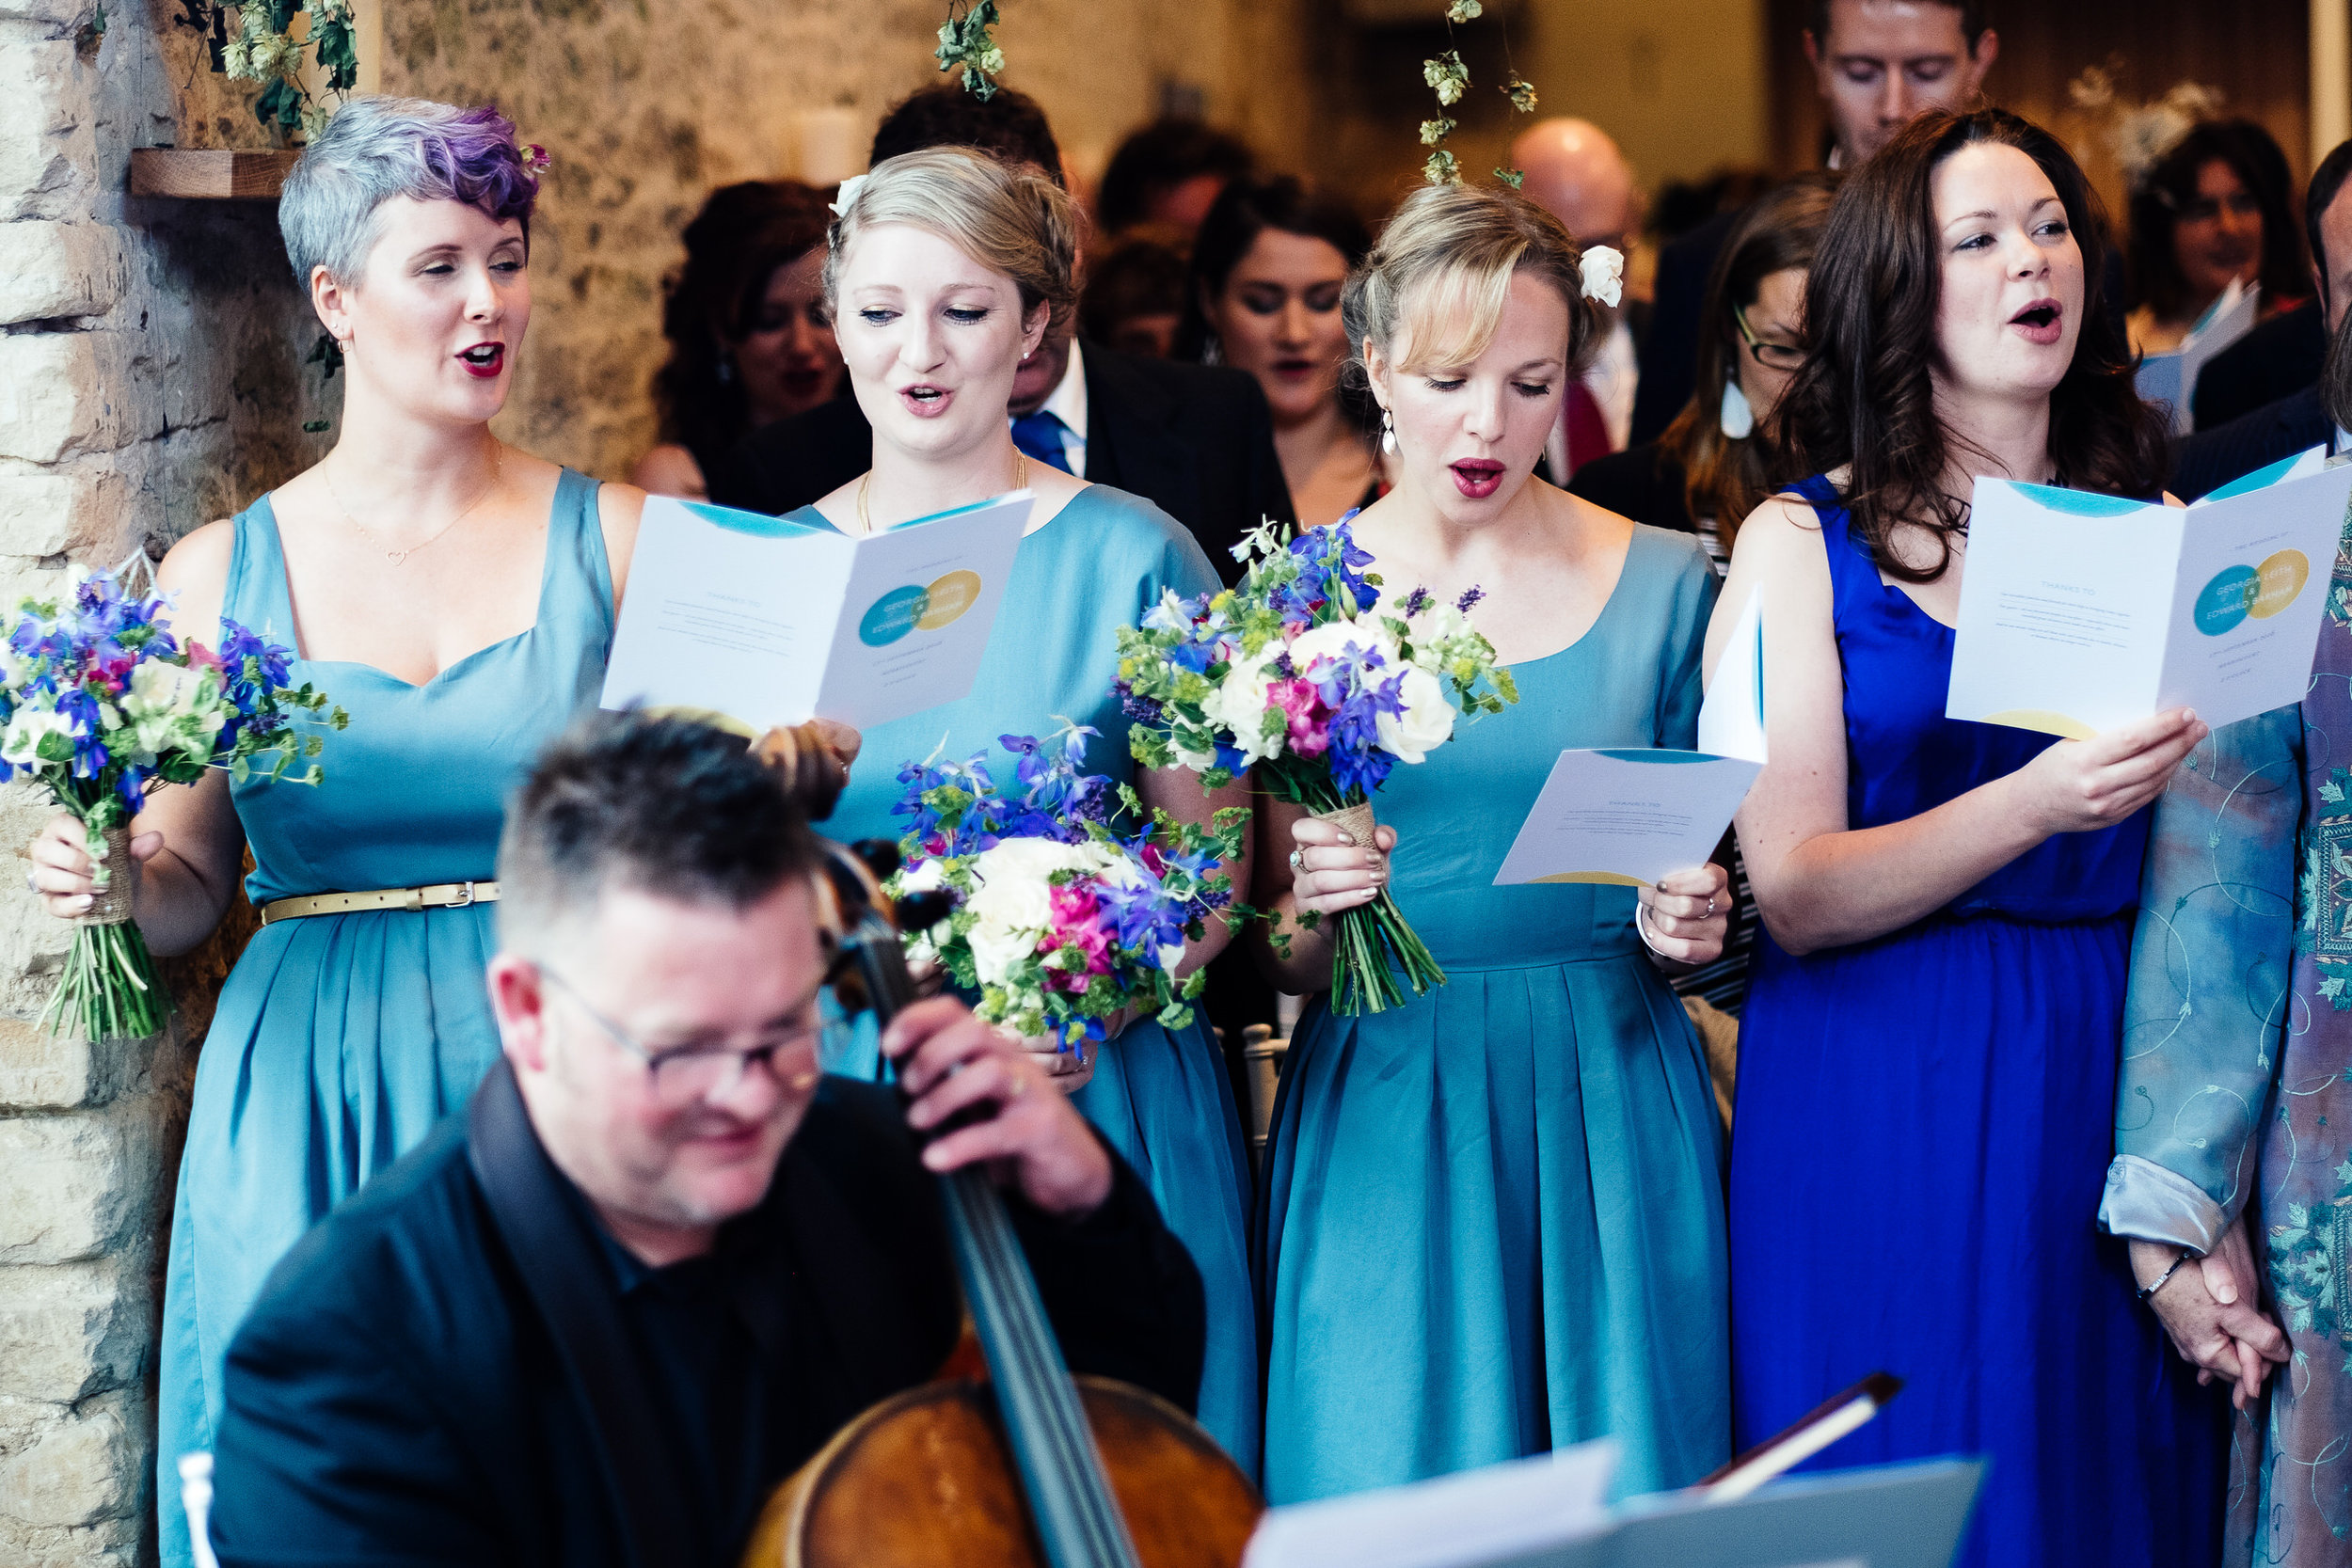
964 41
1448 78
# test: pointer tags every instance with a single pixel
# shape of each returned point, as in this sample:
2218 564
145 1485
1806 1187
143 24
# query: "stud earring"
1388 432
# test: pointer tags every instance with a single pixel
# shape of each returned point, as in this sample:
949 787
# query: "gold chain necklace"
498 470
865 523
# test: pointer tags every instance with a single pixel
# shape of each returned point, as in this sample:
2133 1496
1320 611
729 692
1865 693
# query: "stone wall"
150 377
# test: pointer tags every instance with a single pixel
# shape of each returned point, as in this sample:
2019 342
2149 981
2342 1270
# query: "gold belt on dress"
440 895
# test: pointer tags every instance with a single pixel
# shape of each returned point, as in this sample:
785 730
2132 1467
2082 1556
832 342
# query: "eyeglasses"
1775 357
687 1075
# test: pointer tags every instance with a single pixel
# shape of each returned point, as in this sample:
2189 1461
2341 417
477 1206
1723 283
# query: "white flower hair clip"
1604 274
847 196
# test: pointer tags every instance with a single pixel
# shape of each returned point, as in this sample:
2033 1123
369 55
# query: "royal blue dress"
339 1039
1922 1133
1160 1097
1493 1217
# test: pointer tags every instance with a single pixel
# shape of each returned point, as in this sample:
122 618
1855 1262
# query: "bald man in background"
1575 169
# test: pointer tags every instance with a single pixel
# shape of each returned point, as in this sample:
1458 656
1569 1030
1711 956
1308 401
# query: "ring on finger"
1298 860
30 885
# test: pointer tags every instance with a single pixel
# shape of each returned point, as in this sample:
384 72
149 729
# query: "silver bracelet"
2147 1292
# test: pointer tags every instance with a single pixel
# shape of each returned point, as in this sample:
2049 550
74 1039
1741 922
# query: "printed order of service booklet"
1629 817
770 621
2081 612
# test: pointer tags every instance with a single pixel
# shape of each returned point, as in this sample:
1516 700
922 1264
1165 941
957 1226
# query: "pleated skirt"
1492 1223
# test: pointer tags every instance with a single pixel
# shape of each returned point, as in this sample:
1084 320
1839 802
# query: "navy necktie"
1040 435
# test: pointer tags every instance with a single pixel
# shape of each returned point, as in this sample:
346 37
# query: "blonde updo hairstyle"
1431 295
1006 217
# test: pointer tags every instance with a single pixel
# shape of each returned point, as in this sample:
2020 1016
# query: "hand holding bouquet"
1060 923
98 704
1295 675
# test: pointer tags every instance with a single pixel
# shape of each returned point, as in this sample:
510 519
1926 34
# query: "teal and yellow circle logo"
911 608
2238 592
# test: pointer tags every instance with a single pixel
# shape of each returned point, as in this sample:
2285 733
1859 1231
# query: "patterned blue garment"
1921 1136
1492 1218
1161 1098
2236 1095
341 1039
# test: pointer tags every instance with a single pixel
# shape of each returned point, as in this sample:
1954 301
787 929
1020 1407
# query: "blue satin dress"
1161 1098
1493 1218
1921 1138
339 1039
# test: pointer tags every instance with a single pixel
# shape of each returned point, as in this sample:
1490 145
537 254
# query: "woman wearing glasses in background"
1706 471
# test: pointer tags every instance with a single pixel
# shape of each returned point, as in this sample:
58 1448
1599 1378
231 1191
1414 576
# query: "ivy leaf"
1511 177
339 51
2332 793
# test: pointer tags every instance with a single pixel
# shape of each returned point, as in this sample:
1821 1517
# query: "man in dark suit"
658 1260
1196 441
2278 358
1876 67
2211 458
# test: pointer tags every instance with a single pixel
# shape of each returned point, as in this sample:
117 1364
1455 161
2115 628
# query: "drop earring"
1387 432
1737 418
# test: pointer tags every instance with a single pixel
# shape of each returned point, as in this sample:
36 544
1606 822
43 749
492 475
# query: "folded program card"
2081 612
1629 817
1475 1516
2170 378
769 622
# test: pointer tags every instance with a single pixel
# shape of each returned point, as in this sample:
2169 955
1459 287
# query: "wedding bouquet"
1294 674
100 703
1060 922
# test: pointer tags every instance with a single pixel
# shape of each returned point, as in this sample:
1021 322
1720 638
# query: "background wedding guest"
1133 300
748 341
1263 297
2300 419
763 1244
2219 207
1710 469
945 270
456 597
1876 63
2235 1101
1477 1205
1575 170
1169 172
1193 440
1928 1057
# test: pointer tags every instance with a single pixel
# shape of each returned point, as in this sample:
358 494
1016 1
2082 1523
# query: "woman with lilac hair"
457 597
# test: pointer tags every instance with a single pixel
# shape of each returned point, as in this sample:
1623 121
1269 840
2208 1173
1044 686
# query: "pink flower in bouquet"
1077 924
1309 720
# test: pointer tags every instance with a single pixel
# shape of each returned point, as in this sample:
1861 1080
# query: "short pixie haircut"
1431 294
1008 217
662 805
377 147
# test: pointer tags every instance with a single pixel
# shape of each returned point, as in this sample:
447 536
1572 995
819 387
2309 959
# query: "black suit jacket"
1641 483
2277 359
2211 458
1194 440
399 1396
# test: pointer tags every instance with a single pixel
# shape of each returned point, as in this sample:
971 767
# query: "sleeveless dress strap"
577 595
1853 576
256 597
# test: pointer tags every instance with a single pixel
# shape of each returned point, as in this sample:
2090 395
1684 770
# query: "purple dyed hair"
377 147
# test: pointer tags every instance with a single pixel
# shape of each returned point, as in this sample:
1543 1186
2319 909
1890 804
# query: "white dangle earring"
1388 432
1738 419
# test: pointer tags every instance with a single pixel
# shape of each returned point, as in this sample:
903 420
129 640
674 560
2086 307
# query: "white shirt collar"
1068 400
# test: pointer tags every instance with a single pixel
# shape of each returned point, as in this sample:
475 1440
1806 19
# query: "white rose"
20 742
1334 639
160 688
1604 274
923 877
1426 724
1239 704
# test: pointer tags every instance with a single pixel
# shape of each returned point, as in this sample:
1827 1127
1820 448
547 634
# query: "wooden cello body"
1027 1467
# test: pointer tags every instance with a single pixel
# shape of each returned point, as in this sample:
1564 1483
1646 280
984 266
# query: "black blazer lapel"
1132 442
571 1285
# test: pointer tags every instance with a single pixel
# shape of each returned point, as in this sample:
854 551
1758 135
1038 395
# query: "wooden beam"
219 174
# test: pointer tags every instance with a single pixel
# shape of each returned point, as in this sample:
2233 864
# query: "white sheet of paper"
1476 1516
2081 612
772 621
1629 817
2170 378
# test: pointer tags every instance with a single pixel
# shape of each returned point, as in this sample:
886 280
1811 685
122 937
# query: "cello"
1031 1468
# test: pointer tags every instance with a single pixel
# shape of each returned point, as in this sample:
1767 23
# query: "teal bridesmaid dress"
339 1039
1160 1097
1492 1219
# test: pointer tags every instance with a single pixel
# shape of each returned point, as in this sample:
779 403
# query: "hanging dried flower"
1441 169
1464 11
964 42
1434 131
1514 178
1522 94
1448 75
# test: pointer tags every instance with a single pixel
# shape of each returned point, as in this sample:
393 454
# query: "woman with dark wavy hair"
2219 206
1927 1059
